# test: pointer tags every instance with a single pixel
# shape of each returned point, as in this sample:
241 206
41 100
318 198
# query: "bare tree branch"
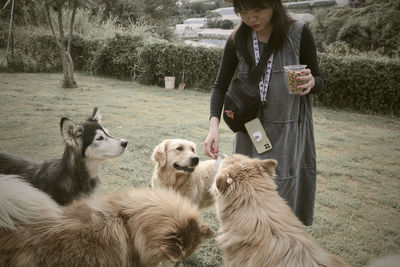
60 27
6 4
51 25
10 32
71 27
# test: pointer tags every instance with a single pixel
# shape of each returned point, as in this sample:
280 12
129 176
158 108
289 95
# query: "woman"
287 119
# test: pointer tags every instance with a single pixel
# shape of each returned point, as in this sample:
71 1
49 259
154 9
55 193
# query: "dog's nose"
124 143
194 161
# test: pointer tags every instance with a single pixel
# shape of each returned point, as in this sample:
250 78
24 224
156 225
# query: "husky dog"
257 227
177 166
77 173
135 227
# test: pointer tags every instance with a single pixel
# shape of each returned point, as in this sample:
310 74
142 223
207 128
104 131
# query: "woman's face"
257 19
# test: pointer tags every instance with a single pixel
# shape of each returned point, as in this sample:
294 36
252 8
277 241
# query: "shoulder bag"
243 101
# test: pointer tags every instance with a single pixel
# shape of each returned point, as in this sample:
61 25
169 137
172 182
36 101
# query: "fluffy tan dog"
137 227
177 166
257 227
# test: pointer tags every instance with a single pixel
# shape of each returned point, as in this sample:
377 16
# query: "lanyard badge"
254 128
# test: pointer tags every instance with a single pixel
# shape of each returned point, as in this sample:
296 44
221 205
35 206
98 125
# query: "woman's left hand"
307 80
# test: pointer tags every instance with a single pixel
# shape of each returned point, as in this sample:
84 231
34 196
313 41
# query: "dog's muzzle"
194 161
182 168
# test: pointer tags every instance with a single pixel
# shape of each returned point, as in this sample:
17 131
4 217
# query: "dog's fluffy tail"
12 164
20 203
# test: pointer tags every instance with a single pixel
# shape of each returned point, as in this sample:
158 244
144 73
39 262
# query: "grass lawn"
357 211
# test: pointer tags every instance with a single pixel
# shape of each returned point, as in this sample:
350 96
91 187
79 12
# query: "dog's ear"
192 234
159 155
195 148
206 232
269 166
223 183
96 116
69 130
173 251
195 226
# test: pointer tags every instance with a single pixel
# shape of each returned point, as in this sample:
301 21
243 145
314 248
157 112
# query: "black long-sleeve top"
229 62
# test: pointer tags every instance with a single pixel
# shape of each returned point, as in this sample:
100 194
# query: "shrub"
14 64
40 53
3 34
225 24
117 56
360 83
212 19
341 48
200 64
374 27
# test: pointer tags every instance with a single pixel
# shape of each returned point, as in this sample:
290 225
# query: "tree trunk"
67 63
66 60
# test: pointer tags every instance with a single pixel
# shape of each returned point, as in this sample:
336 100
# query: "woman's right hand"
211 144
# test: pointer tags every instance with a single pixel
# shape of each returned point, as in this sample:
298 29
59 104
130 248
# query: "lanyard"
263 84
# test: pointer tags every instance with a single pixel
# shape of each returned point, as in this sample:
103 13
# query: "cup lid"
295 67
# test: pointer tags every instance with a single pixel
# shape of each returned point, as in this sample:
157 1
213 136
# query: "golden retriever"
136 227
257 227
177 166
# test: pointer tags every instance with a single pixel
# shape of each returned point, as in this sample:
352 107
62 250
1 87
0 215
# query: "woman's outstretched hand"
211 144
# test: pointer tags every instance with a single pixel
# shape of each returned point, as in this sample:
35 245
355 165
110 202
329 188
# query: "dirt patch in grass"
357 210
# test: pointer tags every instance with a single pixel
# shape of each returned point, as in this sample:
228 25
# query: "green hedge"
360 83
116 57
40 53
356 82
375 26
199 64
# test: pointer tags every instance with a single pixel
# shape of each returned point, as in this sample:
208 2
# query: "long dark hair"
280 25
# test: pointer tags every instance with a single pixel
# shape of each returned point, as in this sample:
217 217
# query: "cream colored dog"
134 227
257 227
177 166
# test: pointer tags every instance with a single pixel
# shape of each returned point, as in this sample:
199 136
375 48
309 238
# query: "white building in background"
190 28
197 21
194 30
187 31
214 37
197 1
229 14
304 17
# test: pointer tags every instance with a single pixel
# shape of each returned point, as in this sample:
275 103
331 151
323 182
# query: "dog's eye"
99 138
179 148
